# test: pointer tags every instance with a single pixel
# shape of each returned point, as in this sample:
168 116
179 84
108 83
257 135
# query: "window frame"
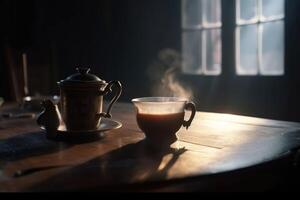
202 29
228 41
259 22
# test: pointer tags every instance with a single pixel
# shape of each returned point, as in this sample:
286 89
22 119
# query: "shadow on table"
118 169
27 145
35 144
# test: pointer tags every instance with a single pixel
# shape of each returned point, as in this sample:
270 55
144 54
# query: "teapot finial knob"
83 70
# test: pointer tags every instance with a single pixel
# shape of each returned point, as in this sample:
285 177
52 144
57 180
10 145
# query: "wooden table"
222 152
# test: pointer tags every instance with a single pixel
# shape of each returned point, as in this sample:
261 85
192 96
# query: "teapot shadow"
28 145
79 139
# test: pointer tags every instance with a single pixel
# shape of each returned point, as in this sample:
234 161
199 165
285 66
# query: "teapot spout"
49 118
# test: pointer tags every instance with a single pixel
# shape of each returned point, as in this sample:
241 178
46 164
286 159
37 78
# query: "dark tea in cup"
158 126
161 117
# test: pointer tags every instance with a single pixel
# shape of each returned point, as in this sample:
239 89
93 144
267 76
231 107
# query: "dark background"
120 39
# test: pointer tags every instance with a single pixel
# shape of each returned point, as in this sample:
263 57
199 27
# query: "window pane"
272 58
191 13
191 49
246 50
246 10
213 57
211 12
272 8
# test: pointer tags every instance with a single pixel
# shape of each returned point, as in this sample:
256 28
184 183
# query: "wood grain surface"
122 160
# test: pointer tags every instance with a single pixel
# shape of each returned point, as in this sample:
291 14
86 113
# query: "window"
201 36
259 37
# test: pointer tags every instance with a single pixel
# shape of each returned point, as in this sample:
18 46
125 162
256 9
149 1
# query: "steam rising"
164 75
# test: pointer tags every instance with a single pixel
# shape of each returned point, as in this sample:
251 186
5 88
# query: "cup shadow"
128 167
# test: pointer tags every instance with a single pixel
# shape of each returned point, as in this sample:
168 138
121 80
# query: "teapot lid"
82 77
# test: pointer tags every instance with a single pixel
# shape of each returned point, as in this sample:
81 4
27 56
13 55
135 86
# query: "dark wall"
120 40
293 60
141 29
116 39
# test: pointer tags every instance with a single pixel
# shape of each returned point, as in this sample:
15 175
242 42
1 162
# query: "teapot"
81 101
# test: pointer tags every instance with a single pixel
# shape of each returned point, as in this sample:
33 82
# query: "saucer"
105 125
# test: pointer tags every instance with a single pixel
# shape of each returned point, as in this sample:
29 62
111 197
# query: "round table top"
215 143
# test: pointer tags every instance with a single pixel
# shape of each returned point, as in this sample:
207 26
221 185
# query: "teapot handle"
108 89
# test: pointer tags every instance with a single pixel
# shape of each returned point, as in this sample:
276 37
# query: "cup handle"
108 89
192 107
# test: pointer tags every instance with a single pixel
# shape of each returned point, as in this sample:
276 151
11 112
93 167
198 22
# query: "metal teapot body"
81 100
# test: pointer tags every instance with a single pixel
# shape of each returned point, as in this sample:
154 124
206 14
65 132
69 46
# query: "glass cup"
161 117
